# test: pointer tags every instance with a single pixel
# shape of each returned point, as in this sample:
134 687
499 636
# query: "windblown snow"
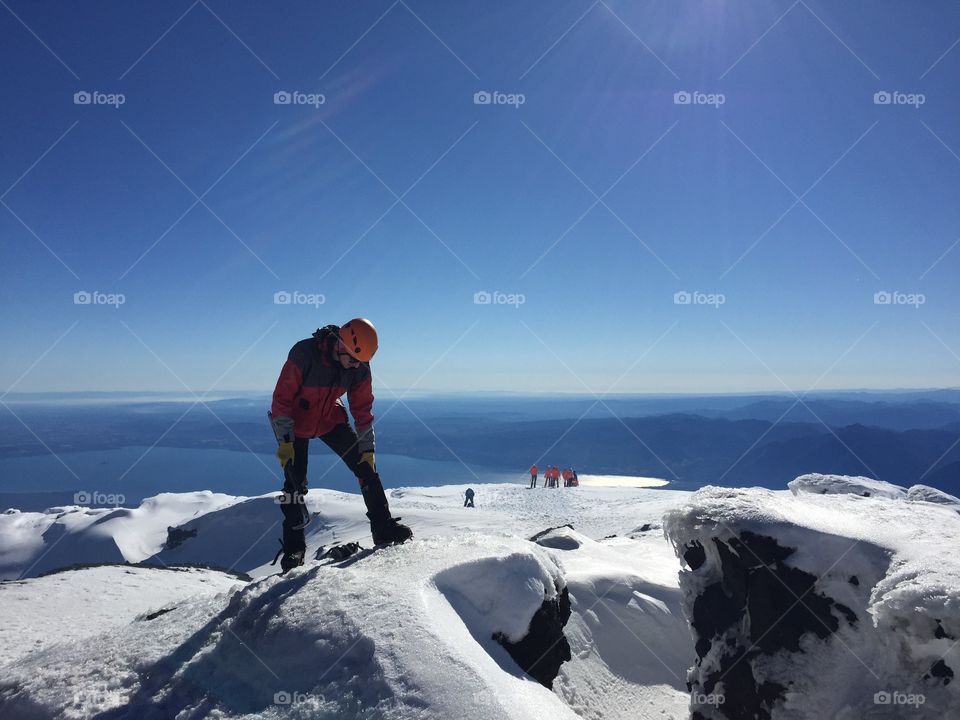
404 632
430 629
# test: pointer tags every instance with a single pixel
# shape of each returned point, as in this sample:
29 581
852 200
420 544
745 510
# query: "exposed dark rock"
548 531
175 536
744 698
940 634
158 613
544 648
854 580
694 556
753 610
941 671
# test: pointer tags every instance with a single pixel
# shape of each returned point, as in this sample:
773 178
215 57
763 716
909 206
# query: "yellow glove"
285 453
370 459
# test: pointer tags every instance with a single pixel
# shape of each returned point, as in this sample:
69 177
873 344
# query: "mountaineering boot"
389 531
385 529
293 546
291 559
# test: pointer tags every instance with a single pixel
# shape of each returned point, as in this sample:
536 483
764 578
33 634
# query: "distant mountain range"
903 438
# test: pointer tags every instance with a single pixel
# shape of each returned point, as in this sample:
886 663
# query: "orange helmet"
359 336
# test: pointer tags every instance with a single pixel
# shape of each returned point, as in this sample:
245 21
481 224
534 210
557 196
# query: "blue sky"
782 198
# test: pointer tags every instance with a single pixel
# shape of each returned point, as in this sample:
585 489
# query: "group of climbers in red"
552 476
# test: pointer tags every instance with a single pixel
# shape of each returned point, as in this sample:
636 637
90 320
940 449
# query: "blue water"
139 472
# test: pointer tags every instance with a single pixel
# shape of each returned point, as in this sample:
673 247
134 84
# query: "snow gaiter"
292 502
378 510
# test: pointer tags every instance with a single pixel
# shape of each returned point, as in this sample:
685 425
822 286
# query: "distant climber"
468 502
533 475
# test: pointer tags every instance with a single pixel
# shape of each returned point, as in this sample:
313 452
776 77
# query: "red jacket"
533 469
307 399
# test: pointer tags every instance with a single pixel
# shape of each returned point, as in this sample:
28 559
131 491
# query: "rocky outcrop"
807 606
544 648
750 612
175 536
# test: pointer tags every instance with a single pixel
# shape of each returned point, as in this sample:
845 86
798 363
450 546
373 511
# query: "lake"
139 472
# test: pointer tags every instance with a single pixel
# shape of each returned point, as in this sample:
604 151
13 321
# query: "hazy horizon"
426 392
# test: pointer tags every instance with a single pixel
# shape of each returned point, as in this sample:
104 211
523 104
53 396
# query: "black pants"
533 481
343 441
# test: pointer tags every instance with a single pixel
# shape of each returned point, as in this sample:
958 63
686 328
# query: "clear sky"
783 196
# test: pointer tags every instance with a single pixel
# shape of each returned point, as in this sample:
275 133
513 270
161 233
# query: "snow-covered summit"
471 619
558 603
925 493
818 484
32 543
